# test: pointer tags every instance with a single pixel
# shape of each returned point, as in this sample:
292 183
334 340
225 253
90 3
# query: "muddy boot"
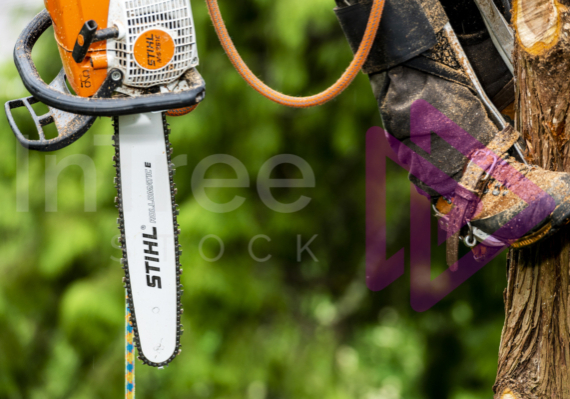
481 187
500 202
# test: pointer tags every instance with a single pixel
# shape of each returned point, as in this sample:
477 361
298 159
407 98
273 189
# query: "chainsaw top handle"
94 106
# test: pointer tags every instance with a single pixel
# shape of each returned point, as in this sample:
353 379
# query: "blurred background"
253 330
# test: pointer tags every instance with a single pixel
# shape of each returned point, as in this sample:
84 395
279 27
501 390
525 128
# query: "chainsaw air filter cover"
157 42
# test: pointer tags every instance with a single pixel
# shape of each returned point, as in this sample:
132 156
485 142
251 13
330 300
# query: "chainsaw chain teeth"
122 241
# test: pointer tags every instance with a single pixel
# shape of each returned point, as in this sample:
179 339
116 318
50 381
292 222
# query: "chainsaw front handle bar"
89 106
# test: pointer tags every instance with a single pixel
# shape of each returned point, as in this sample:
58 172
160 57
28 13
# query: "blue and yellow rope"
129 356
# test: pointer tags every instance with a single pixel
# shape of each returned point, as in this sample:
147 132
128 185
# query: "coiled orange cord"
290 101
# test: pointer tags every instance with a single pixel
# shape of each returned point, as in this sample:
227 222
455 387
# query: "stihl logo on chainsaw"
151 259
151 262
154 49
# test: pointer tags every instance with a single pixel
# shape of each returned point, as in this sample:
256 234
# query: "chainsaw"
134 61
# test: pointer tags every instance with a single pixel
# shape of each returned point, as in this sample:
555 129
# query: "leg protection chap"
411 60
408 28
397 89
411 34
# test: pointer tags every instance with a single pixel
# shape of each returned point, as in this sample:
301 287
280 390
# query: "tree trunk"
534 355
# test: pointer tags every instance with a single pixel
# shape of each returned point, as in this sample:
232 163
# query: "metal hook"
437 213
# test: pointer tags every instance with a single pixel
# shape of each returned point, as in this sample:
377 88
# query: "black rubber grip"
84 41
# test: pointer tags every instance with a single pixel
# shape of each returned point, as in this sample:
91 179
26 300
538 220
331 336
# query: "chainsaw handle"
82 105
78 126
70 127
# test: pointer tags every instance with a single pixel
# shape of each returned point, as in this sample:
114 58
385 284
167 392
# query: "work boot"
501 202
481 193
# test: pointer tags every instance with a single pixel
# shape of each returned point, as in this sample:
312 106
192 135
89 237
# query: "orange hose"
290 101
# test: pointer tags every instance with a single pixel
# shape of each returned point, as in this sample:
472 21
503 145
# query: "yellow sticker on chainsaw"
154 49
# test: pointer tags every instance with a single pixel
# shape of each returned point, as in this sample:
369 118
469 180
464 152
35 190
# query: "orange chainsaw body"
68 18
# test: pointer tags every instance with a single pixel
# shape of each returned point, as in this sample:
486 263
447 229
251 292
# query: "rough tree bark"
534 355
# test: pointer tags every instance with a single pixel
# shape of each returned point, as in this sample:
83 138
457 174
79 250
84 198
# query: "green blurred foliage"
279 329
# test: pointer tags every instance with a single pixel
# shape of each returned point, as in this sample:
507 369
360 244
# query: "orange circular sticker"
154 49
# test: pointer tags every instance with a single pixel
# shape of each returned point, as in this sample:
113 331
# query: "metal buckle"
470 240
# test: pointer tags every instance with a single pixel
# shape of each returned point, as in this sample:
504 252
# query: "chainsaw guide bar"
149 234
